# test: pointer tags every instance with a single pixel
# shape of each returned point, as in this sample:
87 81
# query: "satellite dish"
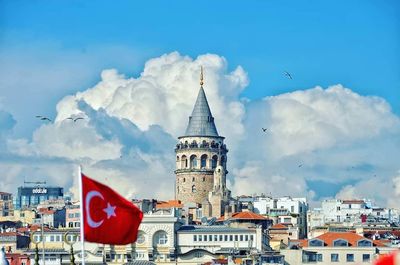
203 220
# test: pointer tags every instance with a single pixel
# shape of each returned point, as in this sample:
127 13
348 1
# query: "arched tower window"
193 161
184 162
194 188
203 162
222 162
214 162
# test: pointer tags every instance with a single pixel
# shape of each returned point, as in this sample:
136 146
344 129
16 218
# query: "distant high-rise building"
198 153
32 196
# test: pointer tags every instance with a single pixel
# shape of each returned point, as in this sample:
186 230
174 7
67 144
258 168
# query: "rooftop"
211 229
201 122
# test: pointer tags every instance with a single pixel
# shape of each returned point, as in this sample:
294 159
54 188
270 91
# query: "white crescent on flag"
89 196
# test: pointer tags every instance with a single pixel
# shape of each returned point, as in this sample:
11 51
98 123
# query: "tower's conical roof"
201 122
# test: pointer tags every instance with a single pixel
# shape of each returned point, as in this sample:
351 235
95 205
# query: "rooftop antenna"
35 182
201 76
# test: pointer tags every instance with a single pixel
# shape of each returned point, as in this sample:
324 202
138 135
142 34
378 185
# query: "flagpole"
82 226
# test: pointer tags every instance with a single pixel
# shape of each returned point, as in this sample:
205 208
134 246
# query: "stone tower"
198 153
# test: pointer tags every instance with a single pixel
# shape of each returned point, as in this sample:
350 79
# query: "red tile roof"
278 227
248 216
329 237
169 204
46 211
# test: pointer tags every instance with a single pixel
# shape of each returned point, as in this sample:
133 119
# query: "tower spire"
201 76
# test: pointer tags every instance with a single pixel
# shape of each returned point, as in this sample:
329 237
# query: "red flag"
387 259
108 217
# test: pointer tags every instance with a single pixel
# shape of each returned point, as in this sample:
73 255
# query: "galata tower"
198 153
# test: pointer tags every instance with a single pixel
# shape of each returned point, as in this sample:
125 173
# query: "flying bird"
300 165
288 75
264 129
43 118
74 119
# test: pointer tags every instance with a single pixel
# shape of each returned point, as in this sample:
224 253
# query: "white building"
334 248
199 244
284 210
348 213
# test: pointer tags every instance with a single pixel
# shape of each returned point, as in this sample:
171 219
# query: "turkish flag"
388 259
108 217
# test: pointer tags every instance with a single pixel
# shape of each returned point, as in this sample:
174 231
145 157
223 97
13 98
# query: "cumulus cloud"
333 135
130 127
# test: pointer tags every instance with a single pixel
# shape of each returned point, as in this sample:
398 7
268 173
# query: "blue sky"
50 49
355 43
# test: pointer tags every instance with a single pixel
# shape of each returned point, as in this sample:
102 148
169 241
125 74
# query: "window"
236 238
51 238
215 237
338 208
184 180
209 237
193 161
292 209
193 179
334 257
366 257
230 237
364 243
287 220
246 238
205 237
141 238
319 257
198 254
241 237
203 162
70 215
251 237
77 215
194 238
225 237
194 188
214 162
340 243
160 238
222 162
204 179
200 238
184 162
350 257
315 243
220 237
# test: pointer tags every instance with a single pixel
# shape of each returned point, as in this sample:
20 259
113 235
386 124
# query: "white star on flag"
110 210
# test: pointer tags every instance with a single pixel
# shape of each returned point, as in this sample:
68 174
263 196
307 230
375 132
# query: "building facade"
6 204
33 196
286 210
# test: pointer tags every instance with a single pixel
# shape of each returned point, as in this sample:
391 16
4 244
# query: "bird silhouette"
300 165
288 75
42 118
264 129
74 119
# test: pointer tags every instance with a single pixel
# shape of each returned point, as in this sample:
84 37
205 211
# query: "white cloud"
131 124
